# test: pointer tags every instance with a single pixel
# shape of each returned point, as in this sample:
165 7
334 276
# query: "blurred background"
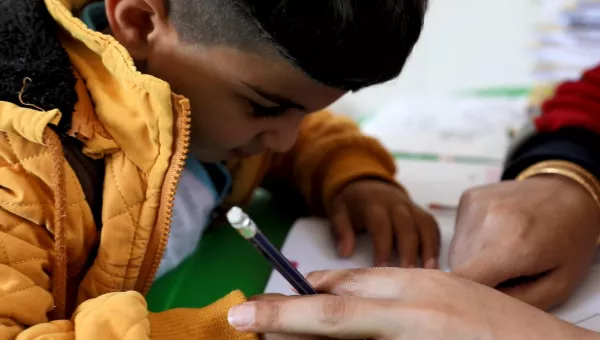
466 44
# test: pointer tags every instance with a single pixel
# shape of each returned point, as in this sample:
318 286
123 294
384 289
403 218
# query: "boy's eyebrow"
275 98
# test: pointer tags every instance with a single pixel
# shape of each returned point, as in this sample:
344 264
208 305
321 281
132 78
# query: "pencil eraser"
235 215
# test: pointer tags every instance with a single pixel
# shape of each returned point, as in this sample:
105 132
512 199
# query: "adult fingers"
325 315
503 262
487 269
280 336
341 225
379 283
269 296
543 291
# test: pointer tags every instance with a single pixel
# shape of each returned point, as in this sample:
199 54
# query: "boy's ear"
132 23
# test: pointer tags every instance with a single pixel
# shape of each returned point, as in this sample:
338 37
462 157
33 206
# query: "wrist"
567 170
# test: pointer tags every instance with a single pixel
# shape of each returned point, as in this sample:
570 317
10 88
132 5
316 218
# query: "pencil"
240 221
442 207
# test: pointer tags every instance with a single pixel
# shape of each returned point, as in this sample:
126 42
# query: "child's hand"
388 214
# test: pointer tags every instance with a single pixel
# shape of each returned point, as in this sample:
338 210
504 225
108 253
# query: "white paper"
311 246
443 182
446 125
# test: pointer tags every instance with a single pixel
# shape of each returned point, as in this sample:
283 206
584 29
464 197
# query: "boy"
232 84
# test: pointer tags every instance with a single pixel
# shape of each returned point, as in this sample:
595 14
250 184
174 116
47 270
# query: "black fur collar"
29 47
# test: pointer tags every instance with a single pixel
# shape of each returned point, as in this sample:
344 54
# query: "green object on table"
223 262
499 92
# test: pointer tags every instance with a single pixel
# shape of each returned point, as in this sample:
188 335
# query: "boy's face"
242 103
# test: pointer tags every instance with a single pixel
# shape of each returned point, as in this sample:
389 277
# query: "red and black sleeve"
567 129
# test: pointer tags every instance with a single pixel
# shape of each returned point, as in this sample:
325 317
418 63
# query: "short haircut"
346 44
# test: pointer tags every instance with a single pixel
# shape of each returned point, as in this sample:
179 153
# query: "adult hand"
532 239
388 214
281 336
400 304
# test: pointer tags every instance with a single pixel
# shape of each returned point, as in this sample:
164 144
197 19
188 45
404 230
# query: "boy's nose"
280 141
282 137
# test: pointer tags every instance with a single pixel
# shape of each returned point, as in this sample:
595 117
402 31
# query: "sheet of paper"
443 182
448 125
312 247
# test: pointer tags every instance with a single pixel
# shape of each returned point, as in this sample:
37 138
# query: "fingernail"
241 316
431 263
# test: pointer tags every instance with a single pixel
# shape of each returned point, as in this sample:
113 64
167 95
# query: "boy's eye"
261 111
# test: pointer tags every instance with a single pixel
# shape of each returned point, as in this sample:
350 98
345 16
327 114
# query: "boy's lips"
243 153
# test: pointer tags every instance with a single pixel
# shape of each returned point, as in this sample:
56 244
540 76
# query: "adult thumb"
485 269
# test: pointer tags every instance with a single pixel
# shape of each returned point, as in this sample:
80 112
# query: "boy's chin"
212 157
220 156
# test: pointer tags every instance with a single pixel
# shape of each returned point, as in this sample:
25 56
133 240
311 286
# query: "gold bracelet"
566 169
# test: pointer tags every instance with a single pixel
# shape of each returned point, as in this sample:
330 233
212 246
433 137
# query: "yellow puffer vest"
62 276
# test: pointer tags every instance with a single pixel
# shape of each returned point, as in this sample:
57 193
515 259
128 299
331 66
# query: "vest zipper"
160 234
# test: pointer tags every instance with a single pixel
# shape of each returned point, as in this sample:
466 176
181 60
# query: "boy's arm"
26 276
330 152
568 129
25 299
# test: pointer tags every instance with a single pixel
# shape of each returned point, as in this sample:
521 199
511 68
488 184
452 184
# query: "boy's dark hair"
347 44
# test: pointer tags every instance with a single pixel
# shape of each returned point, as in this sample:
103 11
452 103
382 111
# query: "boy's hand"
388 214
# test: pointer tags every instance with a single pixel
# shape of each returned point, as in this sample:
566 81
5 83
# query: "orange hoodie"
53 282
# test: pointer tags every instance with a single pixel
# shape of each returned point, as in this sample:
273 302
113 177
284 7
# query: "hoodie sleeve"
331 152
568 129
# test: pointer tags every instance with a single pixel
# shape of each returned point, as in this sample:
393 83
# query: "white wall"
465 44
